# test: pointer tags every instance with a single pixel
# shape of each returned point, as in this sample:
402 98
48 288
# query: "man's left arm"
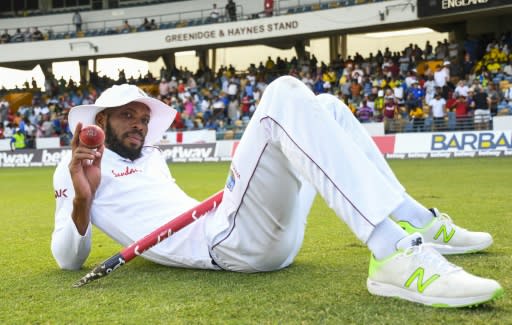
69 248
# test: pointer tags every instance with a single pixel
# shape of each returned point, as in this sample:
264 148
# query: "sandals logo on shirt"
231 181
127 171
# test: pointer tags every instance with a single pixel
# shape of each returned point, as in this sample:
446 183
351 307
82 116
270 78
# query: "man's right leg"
290 120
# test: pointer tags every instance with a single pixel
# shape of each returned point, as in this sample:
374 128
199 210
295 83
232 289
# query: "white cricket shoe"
420 274
448 238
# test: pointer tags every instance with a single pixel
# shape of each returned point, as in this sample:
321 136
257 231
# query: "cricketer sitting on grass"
297 144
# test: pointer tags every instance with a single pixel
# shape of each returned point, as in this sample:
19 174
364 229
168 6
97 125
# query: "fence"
428 124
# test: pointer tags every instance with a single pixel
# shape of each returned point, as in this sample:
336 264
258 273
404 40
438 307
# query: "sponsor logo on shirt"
61 193
125 172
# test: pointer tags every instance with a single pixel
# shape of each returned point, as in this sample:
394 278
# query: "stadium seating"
400 124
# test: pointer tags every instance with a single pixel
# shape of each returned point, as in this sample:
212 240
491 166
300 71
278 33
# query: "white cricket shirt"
133 199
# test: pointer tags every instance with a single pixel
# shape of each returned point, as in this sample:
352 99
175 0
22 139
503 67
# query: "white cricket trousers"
296 145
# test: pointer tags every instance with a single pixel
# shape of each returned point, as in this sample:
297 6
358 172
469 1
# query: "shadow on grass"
145 271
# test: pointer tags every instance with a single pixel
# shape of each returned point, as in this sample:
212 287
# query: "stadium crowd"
433 88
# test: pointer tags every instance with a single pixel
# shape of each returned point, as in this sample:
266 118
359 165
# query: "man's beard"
114 143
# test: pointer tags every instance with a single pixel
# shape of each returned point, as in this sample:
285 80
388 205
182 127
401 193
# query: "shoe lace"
447 220
429 258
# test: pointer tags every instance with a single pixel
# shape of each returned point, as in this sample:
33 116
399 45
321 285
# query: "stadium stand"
225 99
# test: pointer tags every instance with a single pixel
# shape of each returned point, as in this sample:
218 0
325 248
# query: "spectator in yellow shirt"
493 66
418 119
329 76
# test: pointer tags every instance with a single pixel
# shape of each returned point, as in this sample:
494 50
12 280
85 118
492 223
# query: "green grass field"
326 284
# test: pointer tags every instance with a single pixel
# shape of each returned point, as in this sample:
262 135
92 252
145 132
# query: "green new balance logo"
418 276
446 236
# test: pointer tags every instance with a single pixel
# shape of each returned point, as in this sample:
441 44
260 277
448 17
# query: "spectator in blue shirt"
417 92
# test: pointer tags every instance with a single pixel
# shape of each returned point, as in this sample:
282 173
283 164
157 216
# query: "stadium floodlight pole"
130 252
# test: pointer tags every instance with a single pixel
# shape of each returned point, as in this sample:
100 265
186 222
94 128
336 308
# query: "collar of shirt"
111 155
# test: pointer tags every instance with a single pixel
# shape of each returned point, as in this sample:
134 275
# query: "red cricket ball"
92 136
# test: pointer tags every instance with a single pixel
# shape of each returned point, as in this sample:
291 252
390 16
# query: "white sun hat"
160 120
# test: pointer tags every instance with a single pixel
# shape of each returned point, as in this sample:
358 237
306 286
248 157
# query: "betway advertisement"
51 157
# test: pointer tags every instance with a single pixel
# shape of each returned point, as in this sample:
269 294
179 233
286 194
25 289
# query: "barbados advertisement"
451 144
